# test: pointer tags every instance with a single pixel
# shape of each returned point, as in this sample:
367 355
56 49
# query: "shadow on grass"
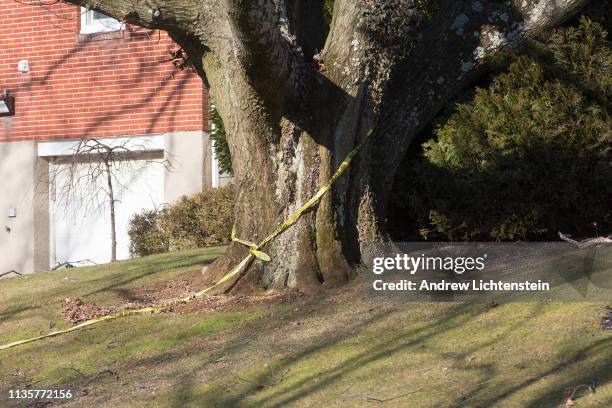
188 389
199 365
124 274
569 370
188 349
147 271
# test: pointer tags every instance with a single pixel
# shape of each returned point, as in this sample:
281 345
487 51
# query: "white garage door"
81 227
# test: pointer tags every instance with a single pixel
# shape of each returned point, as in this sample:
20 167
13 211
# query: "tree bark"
290 120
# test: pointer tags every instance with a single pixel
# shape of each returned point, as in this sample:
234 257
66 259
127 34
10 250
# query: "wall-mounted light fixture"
7 104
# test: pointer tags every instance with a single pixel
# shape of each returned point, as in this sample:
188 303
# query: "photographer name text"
474 285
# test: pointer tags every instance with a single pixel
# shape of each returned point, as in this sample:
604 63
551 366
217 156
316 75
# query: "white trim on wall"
133 143
216 177
50 206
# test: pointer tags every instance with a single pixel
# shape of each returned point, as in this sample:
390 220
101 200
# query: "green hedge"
204 219
528 156
220 145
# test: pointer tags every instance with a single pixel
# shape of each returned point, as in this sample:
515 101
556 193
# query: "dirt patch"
77 310
163 291
217 303
191 282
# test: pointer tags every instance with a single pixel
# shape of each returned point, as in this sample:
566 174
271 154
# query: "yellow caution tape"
254 252
252 247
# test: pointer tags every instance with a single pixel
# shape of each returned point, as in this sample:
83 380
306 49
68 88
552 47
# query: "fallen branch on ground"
100 374
71 264
587 242
381 400
9 272
570 393
365 397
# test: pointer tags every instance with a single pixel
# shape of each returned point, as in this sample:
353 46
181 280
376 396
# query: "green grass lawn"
337 349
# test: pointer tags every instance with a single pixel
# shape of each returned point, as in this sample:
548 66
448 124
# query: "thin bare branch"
94 171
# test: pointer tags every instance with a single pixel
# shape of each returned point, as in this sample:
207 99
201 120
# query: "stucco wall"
23 187
25 244
40 215
189 157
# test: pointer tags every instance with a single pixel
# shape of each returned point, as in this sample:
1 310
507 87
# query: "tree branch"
344 45
264 47
173 15
252 36
455 48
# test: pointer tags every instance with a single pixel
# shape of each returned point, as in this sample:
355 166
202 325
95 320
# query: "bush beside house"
202 220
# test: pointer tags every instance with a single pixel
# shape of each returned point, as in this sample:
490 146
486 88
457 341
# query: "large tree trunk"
279 163
284 151
291 121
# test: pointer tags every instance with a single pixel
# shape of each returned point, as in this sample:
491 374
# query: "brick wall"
110 84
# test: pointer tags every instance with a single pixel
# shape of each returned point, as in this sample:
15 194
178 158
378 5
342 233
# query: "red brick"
104 85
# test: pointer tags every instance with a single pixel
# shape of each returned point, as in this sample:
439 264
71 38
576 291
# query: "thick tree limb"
344 46
454 48
174 15
253 36
264 46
